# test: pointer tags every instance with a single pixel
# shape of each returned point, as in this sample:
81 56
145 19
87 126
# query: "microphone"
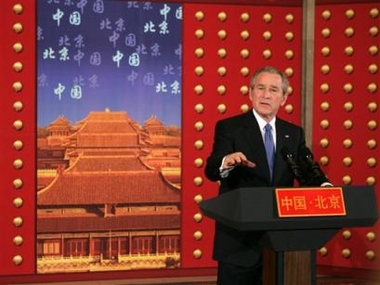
316 176
288 156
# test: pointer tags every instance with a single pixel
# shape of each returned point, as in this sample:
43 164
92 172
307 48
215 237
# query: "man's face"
267 96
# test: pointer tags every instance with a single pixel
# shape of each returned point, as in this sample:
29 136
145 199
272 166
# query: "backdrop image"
109 135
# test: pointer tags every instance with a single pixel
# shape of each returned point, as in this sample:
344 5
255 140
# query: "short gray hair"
270 69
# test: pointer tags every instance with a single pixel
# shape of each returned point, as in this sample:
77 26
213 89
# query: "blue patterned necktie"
269 147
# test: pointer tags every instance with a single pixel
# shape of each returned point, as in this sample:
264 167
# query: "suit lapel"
252 134
282 139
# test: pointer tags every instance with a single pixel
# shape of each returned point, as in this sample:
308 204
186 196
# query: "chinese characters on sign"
98 54
299 202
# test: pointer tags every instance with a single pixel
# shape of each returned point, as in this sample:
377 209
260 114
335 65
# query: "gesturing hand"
237 158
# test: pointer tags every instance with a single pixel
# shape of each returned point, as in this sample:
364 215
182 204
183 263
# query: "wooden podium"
289 243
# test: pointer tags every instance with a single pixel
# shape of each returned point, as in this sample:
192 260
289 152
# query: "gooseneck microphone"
314 173
297 172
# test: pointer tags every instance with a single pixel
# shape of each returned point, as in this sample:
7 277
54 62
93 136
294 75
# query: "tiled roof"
89 188
107 163
106 129
135 221
60 121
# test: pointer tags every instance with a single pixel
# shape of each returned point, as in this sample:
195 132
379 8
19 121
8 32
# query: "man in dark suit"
238 159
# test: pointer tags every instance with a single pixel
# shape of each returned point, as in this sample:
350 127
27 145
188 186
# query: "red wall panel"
17 165
218 36
346 116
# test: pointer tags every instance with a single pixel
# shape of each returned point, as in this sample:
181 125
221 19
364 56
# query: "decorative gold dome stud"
18 9
289 18
199 108
325 69
325 51
324 143
17 222
326 14
267 53
346 180
267 35
347 143
18 28
18 66
222 16
371 144
371 180
198 89
17 86
324 124
326 32
198 217
374 31
222 108
348 106
197 253
222 34
222 53
199 16
346 253
325 106
199 52
348 124
18 164
289 36
197 235
371 236
289 108
17 183
199 126
267 18
348 68
244 35
372 106
244 108
17 260
346 234
198 144
18 240
370 254
17 47
323 251
324 160
373 68
244 71
324 87
244 17
18 145
198 198
349 50
198 162
349 32
199 70
374 13
199 34
221 89
350 13
18 106
347 161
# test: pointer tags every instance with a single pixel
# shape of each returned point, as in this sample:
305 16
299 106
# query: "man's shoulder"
237 119
287 124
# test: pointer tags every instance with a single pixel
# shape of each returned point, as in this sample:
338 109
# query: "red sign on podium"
301 202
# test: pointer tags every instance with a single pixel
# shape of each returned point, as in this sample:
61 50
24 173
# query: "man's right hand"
237 158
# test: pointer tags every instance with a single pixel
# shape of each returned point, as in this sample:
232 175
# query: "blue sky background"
78 42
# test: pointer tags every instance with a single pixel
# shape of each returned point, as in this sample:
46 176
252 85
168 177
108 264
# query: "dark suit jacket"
242 133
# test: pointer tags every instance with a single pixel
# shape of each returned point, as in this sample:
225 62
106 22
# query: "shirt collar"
262 122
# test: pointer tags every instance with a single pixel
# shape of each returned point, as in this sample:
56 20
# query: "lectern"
288 241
